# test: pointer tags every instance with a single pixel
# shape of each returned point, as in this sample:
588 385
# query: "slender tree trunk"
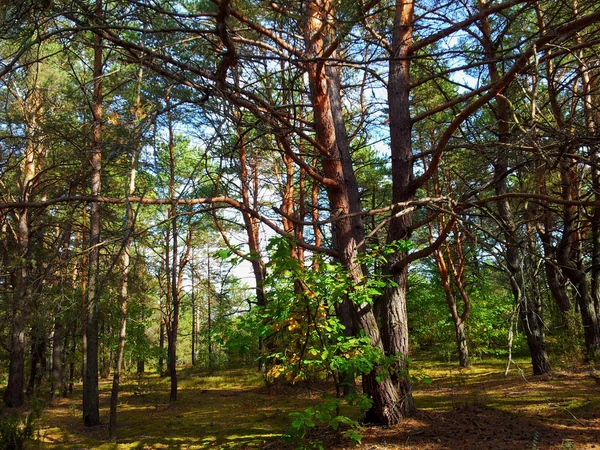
209 312
105 351
84 289
72 351
91 407
194 313
173 322
60 335
530 308
251 224
463 348
58 350
457 320
37 360
161 345
125 261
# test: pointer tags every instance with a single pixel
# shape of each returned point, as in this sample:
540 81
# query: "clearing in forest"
476 408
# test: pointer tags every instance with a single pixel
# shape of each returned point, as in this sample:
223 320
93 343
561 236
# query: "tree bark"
21 282
347 234
38 359
91 407
394 318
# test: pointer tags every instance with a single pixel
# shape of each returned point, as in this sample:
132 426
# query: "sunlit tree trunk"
342 190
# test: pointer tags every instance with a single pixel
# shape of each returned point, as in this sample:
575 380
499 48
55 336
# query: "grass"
224 410
461 408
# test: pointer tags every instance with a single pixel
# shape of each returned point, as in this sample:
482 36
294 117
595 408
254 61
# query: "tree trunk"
194 315
394 318
592 120
251 224
342 190
58 350
530 309
72 351
209 312
161 345
125 261
22 292
173 322
38 360
457 320
91 411
463 349
13 395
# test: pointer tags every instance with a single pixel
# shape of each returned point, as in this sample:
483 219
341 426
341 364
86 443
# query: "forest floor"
476 408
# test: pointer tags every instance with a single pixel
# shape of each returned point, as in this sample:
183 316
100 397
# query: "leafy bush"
327 414
15 431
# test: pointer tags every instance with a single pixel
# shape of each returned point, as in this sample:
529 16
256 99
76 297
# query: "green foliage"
536 441
327 414
432 329
305 338
16 431
300 318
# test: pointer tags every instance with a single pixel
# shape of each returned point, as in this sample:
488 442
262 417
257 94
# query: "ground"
477 408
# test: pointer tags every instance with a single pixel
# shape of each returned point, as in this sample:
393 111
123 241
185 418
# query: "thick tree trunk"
342 190
394 333
22 291
91 407
13 395
394 318
463 348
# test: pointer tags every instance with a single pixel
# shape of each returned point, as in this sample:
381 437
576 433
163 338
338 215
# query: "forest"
300 224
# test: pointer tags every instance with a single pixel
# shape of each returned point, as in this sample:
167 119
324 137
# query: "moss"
232 409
